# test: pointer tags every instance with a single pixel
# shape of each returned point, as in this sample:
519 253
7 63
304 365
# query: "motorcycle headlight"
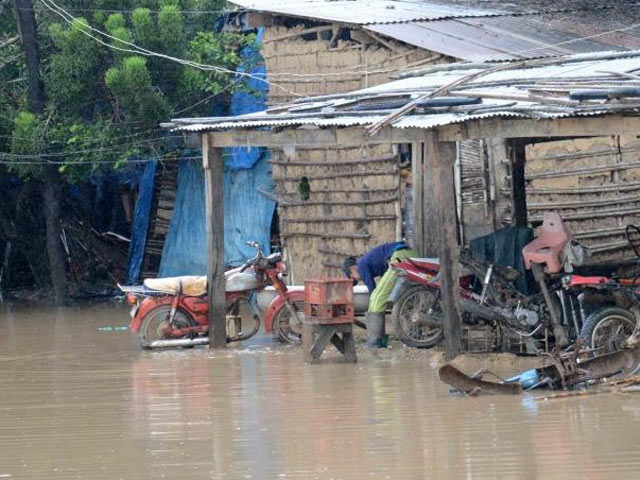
131 299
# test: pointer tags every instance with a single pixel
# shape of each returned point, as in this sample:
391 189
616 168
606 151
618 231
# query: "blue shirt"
376 261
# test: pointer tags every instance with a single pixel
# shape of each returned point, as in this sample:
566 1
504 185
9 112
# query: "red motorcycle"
596 309
174 312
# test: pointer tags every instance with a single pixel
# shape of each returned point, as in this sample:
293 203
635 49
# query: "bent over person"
375 263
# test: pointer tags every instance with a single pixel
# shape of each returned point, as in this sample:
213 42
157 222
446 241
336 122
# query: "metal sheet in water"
78 402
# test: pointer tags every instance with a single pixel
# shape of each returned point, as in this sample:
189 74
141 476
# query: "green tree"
104 97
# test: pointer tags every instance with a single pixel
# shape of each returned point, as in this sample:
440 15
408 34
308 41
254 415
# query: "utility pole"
52 181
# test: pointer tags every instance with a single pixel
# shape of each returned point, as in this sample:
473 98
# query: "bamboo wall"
594 183
356 206
473 185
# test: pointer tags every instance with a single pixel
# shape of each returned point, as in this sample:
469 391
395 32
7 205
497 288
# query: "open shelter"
589 100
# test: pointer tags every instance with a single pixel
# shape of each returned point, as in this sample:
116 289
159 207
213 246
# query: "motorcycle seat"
190 285
426 263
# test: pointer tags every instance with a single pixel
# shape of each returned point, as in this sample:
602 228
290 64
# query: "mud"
81 401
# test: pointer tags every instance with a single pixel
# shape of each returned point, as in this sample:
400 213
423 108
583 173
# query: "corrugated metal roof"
545 90
510 37
364 12
464 31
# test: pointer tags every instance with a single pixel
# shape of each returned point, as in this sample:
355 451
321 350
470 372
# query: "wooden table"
316 337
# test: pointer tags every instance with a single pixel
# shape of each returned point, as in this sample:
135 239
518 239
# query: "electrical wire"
97 162
186 12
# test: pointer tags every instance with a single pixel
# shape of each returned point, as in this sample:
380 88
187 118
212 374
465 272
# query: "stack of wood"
166 185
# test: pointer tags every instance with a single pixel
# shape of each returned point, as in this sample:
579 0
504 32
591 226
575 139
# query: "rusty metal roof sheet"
464 31
512 37
365 12
543 89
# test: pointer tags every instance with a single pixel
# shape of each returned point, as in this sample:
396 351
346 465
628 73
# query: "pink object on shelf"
546 248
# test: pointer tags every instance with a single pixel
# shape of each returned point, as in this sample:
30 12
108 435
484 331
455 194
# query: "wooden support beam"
314 137
440 157
432 222
516 147
526 128
417 172
214 197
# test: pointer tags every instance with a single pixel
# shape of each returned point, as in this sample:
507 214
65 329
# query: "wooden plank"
562 127
213 176
417 171
430 217
349 346
313 137
440 158
325 163
516 148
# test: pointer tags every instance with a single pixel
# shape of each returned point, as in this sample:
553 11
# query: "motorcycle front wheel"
155 324
286 327
417 317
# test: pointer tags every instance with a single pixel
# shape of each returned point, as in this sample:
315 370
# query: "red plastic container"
329 301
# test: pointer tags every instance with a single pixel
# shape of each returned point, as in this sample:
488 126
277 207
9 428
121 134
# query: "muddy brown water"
79 402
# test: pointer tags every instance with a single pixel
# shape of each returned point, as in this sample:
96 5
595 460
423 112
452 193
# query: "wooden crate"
329 301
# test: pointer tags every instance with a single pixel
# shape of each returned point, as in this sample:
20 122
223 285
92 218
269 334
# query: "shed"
329 47
591 101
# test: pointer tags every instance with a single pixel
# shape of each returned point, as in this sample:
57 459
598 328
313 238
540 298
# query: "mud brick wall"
593 183
352 204
357 204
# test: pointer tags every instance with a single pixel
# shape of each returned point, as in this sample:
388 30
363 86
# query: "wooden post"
440 157
430 217
214 197
517 155
417 172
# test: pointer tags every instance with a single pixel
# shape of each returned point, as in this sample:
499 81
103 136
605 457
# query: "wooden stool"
329 317
316 337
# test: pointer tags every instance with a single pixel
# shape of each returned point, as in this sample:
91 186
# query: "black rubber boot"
375 330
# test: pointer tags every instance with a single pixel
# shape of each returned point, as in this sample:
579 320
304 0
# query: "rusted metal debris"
474 384
563 371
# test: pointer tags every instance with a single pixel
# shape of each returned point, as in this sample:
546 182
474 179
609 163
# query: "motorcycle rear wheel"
286 328
413 305
607 327
157 320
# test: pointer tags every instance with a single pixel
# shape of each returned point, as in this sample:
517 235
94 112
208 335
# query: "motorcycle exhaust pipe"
487 313
180 342
475 309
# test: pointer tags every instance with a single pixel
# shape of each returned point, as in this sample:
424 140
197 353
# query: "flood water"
80 402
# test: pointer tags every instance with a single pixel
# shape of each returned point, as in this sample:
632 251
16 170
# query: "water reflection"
78 402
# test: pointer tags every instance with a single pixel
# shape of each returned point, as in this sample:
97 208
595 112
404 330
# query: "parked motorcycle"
174 312
597 310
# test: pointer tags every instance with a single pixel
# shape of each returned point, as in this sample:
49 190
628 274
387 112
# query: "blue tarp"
141 222
247 213
185 247
254 99
248 216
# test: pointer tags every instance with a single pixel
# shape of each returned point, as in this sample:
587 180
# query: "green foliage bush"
104 102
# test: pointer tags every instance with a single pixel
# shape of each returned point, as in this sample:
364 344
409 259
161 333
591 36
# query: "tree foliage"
105 100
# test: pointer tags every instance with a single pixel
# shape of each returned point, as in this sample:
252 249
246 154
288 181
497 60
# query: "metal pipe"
180 342
485 283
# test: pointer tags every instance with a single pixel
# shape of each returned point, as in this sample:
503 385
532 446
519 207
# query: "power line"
187 12
101 162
